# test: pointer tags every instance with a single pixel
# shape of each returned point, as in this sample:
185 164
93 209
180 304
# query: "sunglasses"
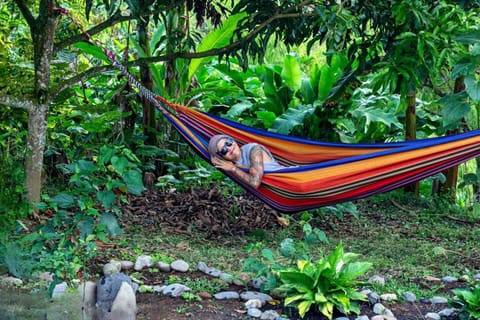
228 144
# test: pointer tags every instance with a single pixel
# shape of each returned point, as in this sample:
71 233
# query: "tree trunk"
411 131
451 174
43 33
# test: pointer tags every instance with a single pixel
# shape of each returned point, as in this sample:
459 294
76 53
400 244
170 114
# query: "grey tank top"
267 166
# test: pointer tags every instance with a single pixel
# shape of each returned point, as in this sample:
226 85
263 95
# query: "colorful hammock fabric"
321 173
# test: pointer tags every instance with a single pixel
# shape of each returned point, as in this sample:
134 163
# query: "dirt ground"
209 211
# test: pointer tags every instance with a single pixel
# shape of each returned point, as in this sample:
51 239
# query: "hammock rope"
322 173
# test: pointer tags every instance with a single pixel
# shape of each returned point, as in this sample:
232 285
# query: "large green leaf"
63 200
353 270
216 39
291 72
298 280
91 50
106 197
472 86
291 118
133 182
455 108
111 223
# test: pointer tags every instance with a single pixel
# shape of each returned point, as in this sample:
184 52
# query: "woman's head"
222 146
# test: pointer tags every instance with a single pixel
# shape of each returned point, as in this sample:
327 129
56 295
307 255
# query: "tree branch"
219 51
79 78
14 102
117 17
27 14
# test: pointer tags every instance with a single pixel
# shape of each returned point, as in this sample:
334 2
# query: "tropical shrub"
468 302
268 264
327 284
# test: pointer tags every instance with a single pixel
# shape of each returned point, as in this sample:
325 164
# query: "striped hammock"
325 173
320 173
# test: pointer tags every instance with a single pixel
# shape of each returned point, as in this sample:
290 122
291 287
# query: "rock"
341 318
175 290
257 283
248 295
228 278
143 262
253 303
270 315
59 290
107 290
180 266
10 282
373 298
202 266
226 295
449 279
163 266
409 297
379 308
124 306
447 312
112 267
377 280
362 318
438 300
127 265
254 312
389 297
432 316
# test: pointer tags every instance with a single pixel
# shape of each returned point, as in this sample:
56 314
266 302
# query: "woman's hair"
213 143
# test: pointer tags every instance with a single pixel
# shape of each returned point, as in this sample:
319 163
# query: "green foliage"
327 284
17 259
266 264
468 302
13 206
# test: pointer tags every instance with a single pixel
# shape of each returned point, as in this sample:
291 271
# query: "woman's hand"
223 164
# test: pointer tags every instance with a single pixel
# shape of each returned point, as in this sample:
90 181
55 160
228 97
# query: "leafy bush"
268 265
468 302
327 284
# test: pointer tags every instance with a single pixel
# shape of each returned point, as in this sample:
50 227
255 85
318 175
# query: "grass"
404 238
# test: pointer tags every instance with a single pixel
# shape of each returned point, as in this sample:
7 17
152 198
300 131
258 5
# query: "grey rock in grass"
107 290
432 316
254 312
202 266
112 267
447 312
373 297
269 315
449 279
253 303
389 297
59 290
124 306
362 318
163 266
257 283
438 300
127 265
180 266
409 297
247 295
226 295
377 280
143 262
175 290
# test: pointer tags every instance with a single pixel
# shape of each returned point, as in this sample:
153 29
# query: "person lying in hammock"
227 155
